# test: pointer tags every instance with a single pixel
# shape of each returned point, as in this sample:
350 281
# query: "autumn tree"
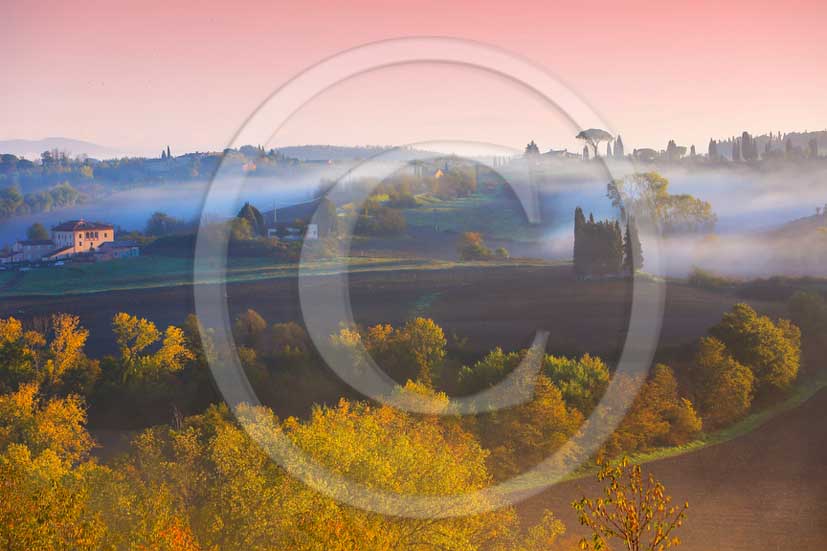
771 350
135 335
249 327
424 342
45 474
240 229
582 382
414 351
58 364
471 246
488 371
724 387
646 196
67 369
634 512
658 416
20 353
222 490
522 436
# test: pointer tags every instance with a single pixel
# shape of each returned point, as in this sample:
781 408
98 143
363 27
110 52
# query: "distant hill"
802 228
344 153
31 149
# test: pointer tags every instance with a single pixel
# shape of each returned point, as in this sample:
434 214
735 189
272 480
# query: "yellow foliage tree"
634 511
134 335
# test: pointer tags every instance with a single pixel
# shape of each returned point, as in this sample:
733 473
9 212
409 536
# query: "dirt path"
765 491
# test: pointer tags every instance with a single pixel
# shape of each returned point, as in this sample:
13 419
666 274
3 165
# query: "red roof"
80 225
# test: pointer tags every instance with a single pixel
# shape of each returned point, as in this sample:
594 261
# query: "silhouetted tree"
37 231
632 250
749 147
593 137
253 216
736 150
532 149
713 150
671 150
579 242
619 151
598 246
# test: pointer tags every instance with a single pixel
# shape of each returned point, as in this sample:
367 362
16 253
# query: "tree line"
13 202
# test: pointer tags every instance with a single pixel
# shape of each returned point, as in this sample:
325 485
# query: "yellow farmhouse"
79 236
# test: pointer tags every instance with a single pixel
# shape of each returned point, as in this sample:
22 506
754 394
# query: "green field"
488 214
159 271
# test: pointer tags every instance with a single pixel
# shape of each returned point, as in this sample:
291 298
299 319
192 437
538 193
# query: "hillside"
803 228
31 149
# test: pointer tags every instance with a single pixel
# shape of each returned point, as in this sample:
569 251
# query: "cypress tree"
633 253
616 248
579 242
619 152
254 217
736 151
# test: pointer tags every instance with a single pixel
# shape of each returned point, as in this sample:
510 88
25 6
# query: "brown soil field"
491 306
764 491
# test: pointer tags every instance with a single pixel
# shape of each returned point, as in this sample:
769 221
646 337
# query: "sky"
136 76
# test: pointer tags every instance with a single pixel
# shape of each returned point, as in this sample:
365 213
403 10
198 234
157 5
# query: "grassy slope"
485 213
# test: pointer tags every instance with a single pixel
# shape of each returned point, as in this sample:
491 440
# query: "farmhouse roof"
78 225
36 242
57 252
289 215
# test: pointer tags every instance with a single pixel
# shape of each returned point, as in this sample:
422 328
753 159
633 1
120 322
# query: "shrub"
704 279
470 246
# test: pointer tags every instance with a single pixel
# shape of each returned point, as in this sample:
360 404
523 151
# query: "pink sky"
139 75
